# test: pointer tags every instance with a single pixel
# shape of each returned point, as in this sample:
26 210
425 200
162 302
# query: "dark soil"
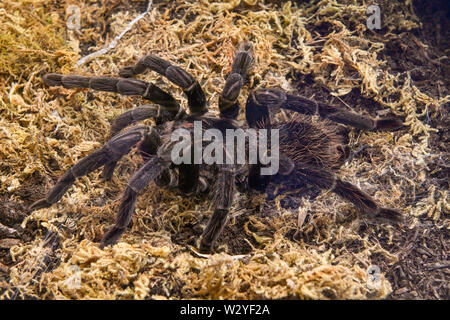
423 269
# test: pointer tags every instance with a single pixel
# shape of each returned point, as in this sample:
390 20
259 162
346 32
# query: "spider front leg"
138 182
132 116
228 100
224 193
107 156
148 91
177 75
141 113
262 102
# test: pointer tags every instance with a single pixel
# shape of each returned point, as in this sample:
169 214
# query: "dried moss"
45 131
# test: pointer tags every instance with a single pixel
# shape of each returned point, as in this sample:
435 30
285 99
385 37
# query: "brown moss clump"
280 252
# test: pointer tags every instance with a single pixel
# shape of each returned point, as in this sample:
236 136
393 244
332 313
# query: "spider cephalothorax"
309 153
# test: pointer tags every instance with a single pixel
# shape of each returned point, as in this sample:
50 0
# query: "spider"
310 153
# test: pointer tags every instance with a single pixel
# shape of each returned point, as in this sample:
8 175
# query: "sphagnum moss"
43 133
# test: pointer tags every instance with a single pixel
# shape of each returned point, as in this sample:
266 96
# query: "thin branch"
115 41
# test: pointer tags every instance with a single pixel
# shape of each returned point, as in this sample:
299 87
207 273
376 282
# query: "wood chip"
401 291
8 243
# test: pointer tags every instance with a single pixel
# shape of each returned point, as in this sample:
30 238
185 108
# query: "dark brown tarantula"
310 153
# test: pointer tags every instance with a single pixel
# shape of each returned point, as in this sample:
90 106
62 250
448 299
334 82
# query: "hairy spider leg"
147 147
177 75
228 100
135 115
138 182
224 194
169 106
327 180
107 156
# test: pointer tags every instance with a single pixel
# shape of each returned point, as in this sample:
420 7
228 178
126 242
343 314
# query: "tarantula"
309 152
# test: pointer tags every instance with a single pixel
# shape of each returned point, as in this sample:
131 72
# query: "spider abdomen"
311 143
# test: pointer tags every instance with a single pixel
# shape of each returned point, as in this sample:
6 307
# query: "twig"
115 41
434 266
9 232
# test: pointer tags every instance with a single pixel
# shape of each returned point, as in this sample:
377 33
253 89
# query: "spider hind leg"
263 101
361 200
364 202
224 194
148 91
138 182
